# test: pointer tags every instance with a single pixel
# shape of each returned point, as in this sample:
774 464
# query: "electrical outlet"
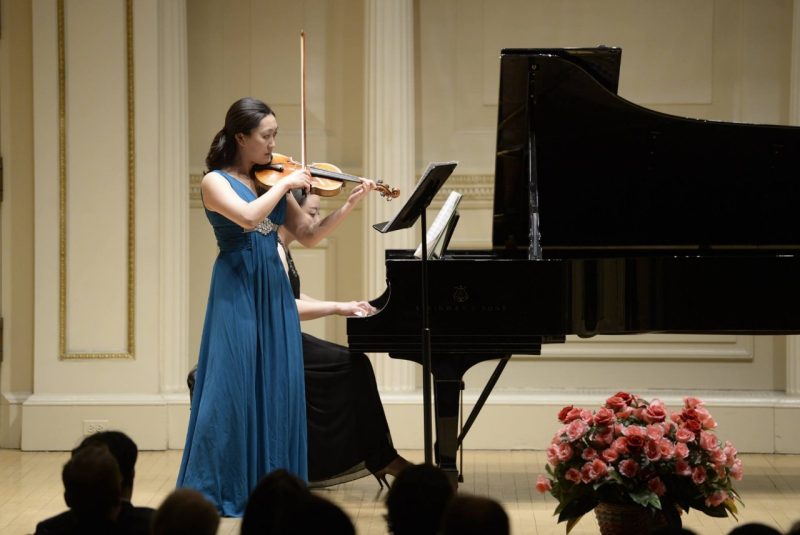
90 427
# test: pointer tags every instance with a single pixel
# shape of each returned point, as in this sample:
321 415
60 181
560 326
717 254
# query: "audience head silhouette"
754 528
281 503
417 500
124 451
185 512
93 484
274 504
474 515
318 515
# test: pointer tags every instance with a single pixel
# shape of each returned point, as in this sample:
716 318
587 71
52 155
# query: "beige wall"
730 60
16 216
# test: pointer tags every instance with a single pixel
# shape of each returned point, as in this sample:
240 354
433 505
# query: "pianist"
348 435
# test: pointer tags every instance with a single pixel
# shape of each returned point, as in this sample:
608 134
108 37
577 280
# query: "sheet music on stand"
436 232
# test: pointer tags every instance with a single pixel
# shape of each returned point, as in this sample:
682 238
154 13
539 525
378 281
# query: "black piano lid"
580 169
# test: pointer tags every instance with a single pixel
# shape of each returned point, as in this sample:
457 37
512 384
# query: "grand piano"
609 218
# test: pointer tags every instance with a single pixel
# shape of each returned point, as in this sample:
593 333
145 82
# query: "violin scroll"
387 192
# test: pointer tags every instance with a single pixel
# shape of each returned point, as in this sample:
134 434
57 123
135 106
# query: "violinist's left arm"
309 230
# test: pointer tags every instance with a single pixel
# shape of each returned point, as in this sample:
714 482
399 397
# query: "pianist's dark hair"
243 115
300 196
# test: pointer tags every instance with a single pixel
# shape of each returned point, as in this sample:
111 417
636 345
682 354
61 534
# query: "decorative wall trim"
64 354
477 191
591 397
106 400
679 347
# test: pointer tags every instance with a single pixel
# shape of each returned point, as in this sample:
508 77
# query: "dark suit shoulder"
61 523
135 520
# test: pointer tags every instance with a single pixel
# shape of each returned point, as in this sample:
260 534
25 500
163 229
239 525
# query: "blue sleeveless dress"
248 414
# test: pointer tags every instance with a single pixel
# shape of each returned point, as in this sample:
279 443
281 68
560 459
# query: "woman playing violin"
248 408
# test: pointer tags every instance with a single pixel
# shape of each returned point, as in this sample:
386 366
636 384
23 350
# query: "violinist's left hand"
360 191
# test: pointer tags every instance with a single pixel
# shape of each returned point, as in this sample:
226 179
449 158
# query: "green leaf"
577 508
646 498
572 522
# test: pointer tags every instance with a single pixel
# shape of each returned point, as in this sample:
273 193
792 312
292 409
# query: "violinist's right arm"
219 196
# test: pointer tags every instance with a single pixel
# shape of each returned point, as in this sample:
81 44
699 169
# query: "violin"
330 179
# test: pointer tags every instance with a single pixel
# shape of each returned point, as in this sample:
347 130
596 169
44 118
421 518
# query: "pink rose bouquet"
631 451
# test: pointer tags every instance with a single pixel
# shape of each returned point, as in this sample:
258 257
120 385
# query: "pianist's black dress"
348 436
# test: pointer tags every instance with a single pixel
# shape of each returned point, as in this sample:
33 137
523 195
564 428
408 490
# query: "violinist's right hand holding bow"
299 179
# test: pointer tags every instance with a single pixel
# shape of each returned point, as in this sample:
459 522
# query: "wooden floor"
30 490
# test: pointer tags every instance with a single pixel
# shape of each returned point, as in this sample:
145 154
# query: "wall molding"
64 353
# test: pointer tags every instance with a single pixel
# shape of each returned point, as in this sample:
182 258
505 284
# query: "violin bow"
303 98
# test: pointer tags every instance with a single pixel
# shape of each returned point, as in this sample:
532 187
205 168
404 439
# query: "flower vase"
622 519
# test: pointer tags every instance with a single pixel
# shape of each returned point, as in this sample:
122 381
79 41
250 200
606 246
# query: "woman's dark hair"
243 116
300 196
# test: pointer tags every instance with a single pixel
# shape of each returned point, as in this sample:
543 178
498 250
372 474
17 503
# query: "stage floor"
31 490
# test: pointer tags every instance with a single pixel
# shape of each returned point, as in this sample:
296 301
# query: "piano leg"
446 391
448 372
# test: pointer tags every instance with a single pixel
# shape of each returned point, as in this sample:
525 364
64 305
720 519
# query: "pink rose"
692 403
655 431
609 455
718 457
737 470
552 455
620 445
684 435
627 398
543 484
562 414
657 486
588 454
693 425
573 414
667 448
625 413
616 403
698 475
635 443
564 452
717 498
604 417
652 450
682 468
572 475
576 429
634 431
708 441
681 450
593 471
705 418
604 437
730 453
656 412
628 467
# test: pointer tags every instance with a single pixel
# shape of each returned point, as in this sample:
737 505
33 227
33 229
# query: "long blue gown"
248 409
